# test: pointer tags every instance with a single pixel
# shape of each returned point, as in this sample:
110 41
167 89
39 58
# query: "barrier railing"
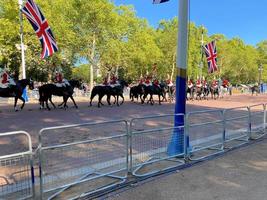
149 144
82 159
85 166
16 168
257 120
205 130
236 126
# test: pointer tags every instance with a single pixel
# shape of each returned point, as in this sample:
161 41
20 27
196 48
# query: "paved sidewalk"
238 175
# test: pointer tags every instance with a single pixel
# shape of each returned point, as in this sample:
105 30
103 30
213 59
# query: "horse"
190 91
153 90
206 91
109 90
255 89
199 92
223 90
16 91
214 91
137 91
117 91
171 93
47 90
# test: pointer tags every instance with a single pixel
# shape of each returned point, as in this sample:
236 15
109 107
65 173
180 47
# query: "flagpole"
22 47
177 144
202 43
21 41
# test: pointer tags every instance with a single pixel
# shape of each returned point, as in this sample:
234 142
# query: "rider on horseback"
114 80
147 81
225 83
204 82
214 83
198 83
5 80
59 80
156 82
190 83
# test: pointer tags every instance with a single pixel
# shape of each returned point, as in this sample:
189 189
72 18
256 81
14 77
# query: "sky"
245 19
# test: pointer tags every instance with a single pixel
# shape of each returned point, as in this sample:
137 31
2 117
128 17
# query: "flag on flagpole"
159 1
211 55
41 27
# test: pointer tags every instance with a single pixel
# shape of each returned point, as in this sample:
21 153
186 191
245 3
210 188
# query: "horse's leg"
159 99
47 106
23 102
121 95
15 104
71 97
50 99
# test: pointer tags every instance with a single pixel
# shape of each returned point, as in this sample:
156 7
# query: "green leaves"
112 38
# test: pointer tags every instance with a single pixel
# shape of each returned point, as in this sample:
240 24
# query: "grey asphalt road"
238 175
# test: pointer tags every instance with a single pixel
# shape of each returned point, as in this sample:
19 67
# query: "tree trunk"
92 63
173 66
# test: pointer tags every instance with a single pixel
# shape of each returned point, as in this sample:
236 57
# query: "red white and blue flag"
41 27
211 55
159 1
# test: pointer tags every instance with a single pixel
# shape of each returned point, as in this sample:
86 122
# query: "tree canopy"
112 39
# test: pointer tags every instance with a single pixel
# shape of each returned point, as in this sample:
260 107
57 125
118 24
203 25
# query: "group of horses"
47 91
145 93
203 92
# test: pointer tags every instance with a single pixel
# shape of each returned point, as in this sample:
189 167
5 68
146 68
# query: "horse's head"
123 83
76 83
31 84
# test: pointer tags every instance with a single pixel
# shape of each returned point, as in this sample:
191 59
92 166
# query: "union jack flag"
41 27
211 55
159 1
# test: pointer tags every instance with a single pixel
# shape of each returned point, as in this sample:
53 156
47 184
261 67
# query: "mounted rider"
190 83
225 83
156 82
114 80
105 81
59 79
5 80
147 81
198 83
204 82
169 82
214 83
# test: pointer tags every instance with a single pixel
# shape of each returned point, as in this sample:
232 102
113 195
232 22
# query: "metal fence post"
224 129
249 123
264 116
186 138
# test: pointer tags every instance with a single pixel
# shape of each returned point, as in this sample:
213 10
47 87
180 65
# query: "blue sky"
234 18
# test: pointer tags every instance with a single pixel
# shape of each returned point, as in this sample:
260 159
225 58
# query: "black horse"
154 90
190 91
206 91
137 91
47 90
117 91
255 89
109 90
214 92
171 93
199 92
16 91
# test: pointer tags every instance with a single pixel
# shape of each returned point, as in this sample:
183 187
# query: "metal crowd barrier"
257 120
149 144
16 168
205 131
85 166
236 126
